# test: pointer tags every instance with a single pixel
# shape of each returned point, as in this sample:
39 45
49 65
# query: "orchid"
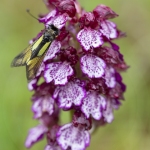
81 72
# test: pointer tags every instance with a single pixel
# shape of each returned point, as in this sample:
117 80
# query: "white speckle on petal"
74 137
108 113
35 134
109 77
109 29
93 66
31 84
43 104
93 104
59 21
58 72
69 94
36 108
53 49
89 38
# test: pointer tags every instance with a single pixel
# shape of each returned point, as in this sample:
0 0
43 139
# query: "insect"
33 55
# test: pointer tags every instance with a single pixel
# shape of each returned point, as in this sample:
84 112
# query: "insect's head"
51 32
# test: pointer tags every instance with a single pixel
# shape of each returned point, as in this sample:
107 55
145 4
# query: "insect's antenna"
28 11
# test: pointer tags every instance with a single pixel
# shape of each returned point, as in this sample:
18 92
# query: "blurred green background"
131 127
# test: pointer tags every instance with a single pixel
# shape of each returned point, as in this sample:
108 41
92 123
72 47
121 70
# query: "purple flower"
93 66
53 50
58 71
108 29
70 94
81 72
89 38
52 143
35 134
93 104
73 137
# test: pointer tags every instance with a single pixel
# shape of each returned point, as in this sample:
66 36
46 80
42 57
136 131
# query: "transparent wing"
22 58
32 67
32 57
25 56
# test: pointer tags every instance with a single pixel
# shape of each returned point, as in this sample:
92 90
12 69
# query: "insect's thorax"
50 33
48 36
43 43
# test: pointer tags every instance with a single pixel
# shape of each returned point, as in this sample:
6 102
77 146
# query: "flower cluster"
81 72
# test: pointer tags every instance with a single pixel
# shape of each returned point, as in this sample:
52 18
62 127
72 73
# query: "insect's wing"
22 58
32 57
32 67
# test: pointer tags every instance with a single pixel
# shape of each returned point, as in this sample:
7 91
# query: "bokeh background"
131 128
